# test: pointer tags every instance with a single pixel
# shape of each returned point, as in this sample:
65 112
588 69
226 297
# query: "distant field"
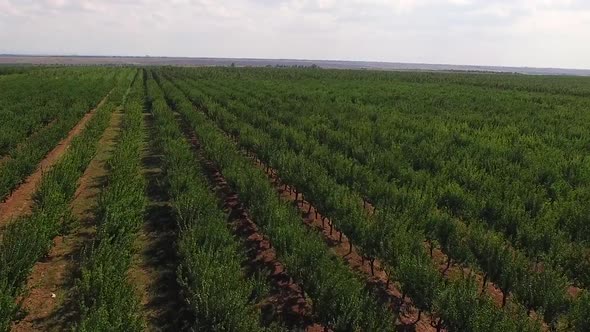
240 62
271 199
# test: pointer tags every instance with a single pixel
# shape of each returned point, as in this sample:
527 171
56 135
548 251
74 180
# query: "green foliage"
107 300
339 298
420 286
460 308
492 169
388 234
29 238
210 273
578 318
37 110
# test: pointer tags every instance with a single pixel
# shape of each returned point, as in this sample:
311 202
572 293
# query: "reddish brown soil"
574 291
48 305
155 260
286 302
21 199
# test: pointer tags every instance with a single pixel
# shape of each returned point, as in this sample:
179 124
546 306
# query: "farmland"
292 199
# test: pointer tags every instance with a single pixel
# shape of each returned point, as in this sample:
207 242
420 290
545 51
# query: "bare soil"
21 199
48 303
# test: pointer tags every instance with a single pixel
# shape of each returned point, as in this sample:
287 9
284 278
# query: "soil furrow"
48 304
20 200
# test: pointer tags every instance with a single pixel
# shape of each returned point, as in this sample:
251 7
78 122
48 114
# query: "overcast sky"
542 33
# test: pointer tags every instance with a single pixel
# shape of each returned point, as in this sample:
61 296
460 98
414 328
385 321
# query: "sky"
533 33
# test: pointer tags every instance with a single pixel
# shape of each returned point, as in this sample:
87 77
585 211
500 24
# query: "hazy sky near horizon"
541 33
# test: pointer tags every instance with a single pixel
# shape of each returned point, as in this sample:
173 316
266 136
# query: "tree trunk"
349 247
331 227
309 209
431 249
323 220
418 319
340 239
504 297
372 260
439 325
448 264
485 281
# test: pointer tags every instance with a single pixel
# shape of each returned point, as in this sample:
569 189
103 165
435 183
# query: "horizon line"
39 55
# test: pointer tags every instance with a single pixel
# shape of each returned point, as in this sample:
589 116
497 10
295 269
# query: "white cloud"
492 32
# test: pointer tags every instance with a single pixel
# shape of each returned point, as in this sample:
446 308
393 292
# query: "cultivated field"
261 199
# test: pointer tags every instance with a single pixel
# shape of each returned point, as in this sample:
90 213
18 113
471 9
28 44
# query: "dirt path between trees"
48 305
20 200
